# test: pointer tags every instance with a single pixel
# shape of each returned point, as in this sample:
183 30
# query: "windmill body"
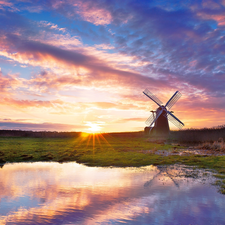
161 116
161 124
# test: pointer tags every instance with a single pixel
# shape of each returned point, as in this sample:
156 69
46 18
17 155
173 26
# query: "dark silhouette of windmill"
164 172
161 115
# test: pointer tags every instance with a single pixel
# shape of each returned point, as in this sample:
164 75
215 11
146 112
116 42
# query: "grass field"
102 150
119 150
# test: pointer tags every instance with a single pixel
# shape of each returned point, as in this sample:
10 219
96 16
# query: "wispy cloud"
39 126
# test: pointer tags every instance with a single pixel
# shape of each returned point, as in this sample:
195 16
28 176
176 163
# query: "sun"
93 127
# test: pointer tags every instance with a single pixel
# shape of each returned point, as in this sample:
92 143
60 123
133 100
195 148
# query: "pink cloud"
46 81
9 83
90 11
28 103
4 4
93 13
219 18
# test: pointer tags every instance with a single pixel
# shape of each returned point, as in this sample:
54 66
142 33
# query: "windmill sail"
173 119
173 100
152 97
150 120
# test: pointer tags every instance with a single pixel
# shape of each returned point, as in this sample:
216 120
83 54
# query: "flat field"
94 150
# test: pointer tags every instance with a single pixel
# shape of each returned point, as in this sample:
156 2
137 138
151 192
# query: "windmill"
162 114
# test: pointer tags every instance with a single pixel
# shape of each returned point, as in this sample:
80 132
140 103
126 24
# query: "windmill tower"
162 114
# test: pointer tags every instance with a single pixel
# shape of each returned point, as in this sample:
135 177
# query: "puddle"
70 193
185 152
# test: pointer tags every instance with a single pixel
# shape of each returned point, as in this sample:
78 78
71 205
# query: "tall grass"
215 146
196 136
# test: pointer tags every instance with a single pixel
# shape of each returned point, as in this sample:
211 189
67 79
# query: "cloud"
171 44
111 106
27 103
7 5
134 119
8 83
97 71
40 126
93 13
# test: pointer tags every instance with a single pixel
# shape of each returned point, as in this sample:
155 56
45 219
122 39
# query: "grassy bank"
103 150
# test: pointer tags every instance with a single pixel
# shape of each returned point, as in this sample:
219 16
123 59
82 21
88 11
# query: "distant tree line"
38 134
55 134
185 135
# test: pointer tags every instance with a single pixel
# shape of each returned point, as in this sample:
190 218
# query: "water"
70 193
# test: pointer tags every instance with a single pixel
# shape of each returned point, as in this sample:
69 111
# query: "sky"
82 65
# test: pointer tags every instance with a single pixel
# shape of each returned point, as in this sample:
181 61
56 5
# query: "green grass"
95 150
101 150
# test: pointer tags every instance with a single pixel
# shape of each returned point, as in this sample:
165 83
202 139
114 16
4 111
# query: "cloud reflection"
71 193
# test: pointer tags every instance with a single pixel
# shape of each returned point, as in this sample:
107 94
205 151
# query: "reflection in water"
70 193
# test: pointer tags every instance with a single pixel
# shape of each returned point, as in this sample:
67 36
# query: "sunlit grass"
104 146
